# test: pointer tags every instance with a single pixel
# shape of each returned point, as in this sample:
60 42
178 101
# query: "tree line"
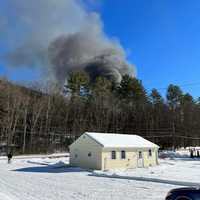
48 118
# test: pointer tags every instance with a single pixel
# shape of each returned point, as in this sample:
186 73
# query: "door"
133 161
105 163
140 159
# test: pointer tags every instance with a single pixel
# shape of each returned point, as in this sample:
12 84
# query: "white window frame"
115 155
150 153
140 155
90 154
123 151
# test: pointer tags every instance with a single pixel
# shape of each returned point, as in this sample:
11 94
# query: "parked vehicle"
189 193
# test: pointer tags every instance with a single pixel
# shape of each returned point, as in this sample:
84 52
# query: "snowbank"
54 155
174 154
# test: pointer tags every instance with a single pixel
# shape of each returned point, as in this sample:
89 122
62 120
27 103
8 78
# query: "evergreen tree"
174 96
156 98
132 89
78 83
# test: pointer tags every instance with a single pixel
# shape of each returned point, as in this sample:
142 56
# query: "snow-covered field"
35 178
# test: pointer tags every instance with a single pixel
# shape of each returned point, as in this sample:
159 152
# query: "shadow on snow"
50 169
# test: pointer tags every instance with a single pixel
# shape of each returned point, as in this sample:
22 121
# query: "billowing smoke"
59 36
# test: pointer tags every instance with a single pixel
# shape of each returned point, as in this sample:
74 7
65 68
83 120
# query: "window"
150 153
76 156
140 154
123 155
89 154
113 155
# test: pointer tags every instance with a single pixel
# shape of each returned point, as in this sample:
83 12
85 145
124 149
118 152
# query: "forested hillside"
50 120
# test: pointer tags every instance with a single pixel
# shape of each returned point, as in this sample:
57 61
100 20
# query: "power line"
180 85
176 136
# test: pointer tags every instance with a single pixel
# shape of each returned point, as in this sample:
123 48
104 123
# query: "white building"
105 151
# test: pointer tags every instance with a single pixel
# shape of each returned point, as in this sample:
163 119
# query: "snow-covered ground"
50 178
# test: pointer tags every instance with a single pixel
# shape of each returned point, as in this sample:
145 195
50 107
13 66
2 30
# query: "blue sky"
162 38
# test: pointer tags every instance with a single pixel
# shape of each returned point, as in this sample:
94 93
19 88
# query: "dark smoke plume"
59 37
92 53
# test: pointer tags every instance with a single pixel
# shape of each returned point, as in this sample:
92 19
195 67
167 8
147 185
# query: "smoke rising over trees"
60 37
